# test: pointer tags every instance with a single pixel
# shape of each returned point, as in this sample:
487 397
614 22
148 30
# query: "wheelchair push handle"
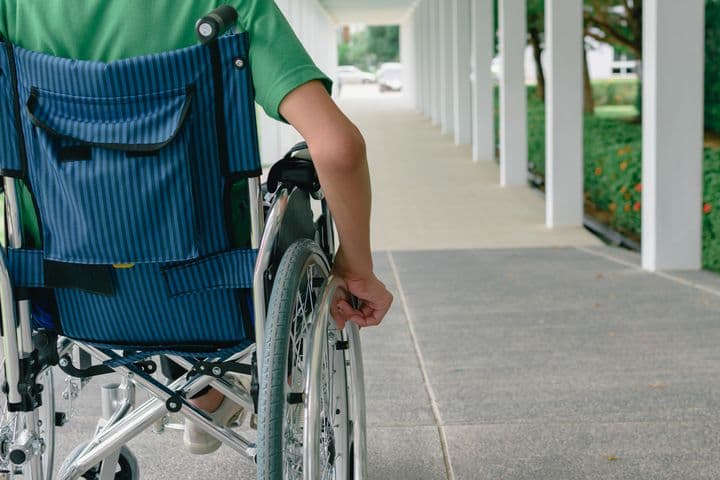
215 23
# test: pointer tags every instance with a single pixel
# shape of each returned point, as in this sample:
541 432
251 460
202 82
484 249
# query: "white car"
390 77
348 74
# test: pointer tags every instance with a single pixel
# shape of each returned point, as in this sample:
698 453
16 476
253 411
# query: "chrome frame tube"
17 341
256 211
15 240
11 348
357 374
272 227
115 436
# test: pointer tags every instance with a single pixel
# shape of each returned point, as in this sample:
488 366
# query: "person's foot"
197 441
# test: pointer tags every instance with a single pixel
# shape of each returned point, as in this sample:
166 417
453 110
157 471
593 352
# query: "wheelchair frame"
125 421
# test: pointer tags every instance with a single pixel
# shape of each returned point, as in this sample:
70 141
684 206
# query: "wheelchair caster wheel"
126 468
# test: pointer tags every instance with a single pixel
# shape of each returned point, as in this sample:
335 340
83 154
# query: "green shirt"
107 30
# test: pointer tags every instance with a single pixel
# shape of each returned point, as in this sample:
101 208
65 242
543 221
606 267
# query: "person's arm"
338 152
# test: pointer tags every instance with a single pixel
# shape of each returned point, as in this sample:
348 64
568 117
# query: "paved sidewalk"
513 351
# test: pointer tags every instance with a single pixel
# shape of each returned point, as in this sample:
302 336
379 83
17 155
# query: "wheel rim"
333 400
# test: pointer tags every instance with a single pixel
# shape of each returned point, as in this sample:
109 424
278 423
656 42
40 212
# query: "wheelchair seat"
131 165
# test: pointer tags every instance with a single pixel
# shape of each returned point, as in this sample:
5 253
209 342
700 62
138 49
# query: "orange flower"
624 150
637 206
623 189
627 196
638 187
598 171
707 208
627 207
623 166
612 207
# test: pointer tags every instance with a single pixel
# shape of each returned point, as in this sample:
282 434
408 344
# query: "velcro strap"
26 267
29 269
227 270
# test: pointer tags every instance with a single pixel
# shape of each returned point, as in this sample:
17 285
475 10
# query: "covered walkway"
514 351
521 352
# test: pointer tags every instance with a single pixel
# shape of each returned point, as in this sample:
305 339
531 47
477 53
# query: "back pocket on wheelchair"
112 177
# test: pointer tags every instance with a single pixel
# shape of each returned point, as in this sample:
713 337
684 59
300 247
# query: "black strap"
219 94
16 112
98 279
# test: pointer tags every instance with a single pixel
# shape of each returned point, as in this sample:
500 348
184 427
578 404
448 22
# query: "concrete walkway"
506 359
512 352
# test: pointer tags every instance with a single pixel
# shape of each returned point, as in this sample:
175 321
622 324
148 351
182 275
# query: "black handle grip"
215 23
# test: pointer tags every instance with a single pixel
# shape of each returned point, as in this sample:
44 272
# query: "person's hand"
375 299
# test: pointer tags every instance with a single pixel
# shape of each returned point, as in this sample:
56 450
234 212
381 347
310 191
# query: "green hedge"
712 65
613 175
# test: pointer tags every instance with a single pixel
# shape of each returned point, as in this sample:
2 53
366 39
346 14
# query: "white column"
462 89
564 113
673 62
434 67
483 43
407 57
513 95
446 66
427 57
415 18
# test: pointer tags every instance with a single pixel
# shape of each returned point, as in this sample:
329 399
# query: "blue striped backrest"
132 162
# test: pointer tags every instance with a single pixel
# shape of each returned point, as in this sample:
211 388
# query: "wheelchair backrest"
132 165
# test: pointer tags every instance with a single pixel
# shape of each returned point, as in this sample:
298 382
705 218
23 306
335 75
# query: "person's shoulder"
251 10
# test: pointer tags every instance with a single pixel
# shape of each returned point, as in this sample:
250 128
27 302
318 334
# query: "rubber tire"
277 337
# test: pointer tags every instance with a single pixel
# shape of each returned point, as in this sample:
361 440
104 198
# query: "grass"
616 112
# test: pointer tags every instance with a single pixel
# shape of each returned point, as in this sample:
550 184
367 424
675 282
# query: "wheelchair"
131 167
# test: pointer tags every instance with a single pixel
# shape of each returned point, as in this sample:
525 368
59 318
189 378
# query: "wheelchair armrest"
296 169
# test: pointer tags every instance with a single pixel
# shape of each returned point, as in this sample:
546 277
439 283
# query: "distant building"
604 62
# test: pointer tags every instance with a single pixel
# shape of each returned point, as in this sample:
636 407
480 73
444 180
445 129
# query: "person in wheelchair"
287 85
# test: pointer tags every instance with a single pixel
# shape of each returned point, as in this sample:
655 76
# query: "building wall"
600 63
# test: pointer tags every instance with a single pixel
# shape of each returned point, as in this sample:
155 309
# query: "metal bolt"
217 371
173 405
239 63
64 362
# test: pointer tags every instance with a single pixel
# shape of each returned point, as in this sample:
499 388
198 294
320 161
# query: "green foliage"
613 175
384 43
711 210
712 65
536 14
371 47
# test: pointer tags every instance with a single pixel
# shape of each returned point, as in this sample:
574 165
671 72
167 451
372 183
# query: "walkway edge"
665 275
450 474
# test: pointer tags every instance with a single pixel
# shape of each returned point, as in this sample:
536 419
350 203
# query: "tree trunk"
588 100
537 55
638 102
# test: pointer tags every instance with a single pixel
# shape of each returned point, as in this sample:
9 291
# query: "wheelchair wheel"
284 413
127 467
11 425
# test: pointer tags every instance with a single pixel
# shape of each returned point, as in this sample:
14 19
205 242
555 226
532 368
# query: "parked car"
348 74
390 77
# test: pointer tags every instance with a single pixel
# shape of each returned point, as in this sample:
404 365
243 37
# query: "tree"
617 23
369 47
384 42
536 30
